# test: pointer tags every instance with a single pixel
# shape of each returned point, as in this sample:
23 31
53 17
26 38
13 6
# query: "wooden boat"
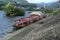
26 21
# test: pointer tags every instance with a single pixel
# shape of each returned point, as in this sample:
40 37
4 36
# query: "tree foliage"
11 10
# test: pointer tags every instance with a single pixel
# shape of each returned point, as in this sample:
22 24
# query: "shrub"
56 12
48 10
11 10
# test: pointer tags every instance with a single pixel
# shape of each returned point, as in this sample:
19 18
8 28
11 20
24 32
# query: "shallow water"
6 23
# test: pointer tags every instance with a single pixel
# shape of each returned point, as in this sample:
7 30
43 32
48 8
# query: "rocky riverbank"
49 30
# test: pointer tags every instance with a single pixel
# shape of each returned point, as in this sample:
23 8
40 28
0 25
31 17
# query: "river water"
6 23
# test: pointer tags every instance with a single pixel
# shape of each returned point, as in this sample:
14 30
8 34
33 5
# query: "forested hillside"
14 1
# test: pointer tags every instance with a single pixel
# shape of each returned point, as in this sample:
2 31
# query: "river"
6 23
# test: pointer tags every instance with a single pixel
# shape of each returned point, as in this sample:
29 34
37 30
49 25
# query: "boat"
26 21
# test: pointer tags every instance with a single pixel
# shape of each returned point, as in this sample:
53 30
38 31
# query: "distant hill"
18 3
40 4
53 5
15 1
49 5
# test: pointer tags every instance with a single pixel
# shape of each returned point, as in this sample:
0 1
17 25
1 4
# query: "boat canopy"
37 13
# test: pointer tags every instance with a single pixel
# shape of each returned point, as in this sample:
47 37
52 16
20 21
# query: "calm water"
6 23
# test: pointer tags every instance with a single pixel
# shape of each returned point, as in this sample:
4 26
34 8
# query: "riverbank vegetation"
56 12
11 10
48 10
32 9
52 11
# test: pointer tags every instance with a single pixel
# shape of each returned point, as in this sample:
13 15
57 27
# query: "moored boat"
26 21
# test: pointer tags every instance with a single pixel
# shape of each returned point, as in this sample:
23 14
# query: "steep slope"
48 31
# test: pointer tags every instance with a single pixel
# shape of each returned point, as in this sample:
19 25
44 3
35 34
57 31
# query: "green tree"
11 10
